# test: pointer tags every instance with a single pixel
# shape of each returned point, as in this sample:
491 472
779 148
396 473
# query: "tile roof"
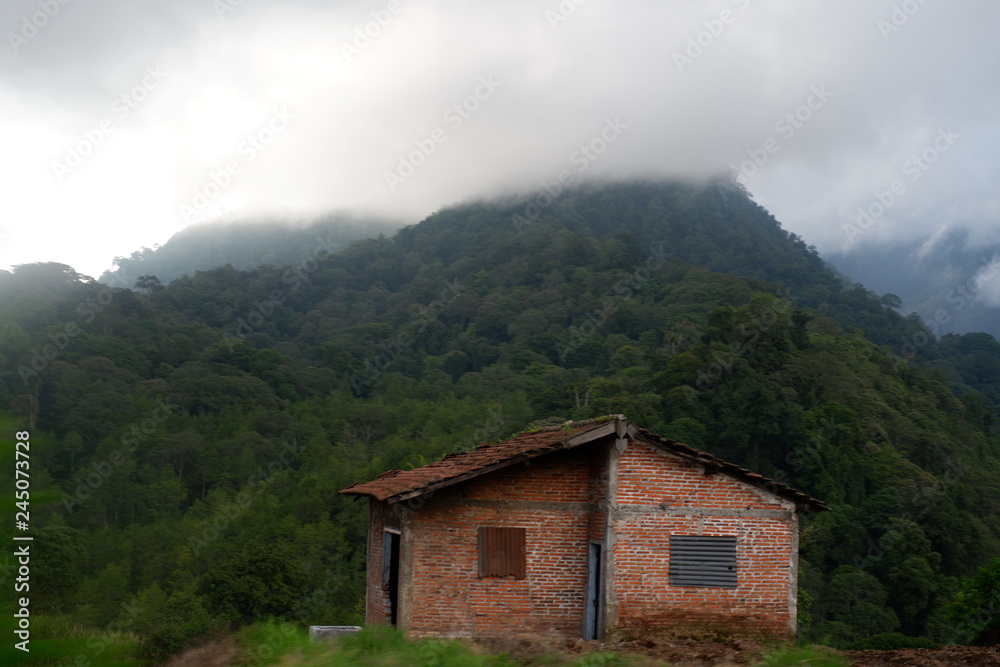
397 485
463 465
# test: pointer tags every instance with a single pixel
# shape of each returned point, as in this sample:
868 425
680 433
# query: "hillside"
243 245
192 435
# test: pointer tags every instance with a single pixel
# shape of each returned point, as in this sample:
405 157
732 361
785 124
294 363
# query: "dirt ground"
690 652
219 653
693 653
679 653
926 657
712 654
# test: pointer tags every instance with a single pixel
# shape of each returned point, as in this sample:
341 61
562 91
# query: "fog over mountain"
123 122
952 281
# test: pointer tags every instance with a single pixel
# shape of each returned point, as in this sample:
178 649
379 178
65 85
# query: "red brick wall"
558 499
380 517
449 598
759 604
598 492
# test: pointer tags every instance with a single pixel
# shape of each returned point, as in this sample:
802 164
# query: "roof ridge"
571 423
531 443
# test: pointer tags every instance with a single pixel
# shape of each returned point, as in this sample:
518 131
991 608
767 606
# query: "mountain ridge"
736 338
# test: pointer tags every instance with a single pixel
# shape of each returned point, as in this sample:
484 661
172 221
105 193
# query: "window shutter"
502 552
708 562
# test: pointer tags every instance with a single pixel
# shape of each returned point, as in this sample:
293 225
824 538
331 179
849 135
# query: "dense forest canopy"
190 436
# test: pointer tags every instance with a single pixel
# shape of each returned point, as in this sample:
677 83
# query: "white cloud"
354 119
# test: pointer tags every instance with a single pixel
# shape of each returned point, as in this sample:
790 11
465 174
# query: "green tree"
855 607
261 581
975 609
57 564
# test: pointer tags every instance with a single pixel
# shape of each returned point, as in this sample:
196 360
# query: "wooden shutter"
707 562
501 552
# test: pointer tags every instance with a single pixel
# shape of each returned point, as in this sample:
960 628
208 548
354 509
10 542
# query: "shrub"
184 622
261 582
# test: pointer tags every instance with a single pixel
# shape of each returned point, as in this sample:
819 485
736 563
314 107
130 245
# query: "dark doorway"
592 620
390 573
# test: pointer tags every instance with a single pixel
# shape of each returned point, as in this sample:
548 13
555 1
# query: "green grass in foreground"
287 645
58 641
814 656
273 644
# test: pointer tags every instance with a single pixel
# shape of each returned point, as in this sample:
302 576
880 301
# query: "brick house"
597 529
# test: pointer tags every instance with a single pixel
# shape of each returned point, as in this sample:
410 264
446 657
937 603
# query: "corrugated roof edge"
711 463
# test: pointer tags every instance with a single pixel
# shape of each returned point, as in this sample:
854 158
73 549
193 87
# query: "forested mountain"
191 438
244 245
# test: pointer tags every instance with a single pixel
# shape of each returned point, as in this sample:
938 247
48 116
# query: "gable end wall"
659 495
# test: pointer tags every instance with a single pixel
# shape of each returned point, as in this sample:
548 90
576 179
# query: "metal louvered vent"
501 552
708 562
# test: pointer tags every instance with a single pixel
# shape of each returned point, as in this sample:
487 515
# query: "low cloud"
703 89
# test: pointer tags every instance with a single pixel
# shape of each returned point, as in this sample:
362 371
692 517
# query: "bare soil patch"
677 653
927 657
218 653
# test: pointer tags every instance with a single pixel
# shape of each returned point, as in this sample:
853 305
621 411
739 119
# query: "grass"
286 645
282 644
814 656
58 640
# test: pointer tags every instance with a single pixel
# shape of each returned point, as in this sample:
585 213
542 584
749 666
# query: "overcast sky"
123 121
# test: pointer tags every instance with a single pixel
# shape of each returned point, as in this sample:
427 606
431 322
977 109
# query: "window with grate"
707 562
501 552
